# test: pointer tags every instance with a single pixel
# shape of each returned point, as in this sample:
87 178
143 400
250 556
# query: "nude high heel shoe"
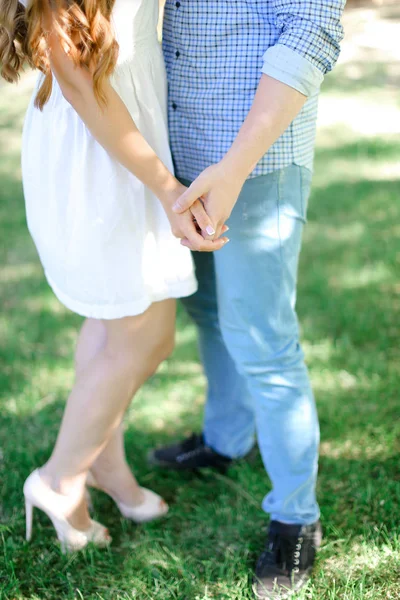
55 506
153 506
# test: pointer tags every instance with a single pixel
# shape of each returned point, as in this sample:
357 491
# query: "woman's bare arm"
114 128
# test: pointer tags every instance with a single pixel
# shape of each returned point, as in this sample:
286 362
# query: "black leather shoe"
190 454
285 565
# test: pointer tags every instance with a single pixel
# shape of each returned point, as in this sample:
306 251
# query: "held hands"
219 190
192 226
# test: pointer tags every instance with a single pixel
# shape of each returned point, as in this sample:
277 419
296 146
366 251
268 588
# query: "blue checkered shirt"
215 52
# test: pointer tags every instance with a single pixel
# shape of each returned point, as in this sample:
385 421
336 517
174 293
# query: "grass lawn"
349 305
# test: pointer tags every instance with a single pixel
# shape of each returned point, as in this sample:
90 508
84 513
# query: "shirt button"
177 4
174 106
177 54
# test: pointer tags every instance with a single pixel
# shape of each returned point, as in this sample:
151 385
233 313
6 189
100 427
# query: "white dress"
103 238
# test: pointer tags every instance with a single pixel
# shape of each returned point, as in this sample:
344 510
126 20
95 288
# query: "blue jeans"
249 342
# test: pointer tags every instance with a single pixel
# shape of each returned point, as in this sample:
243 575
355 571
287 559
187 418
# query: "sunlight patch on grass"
321 358
322 351
181 369
186 336
47 302
378 272
368 557
45 379
347 232
11 273
353 449
171 400
167 405
4 326
334 381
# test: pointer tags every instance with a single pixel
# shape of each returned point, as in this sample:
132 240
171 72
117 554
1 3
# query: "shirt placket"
177 16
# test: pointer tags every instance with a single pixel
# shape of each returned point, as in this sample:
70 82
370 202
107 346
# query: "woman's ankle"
61 483
119 483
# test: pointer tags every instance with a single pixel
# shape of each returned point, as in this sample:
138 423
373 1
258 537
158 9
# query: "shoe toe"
152 507
99 535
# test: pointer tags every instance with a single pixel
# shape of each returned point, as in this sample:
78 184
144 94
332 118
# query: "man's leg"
229 426
256 288
229 419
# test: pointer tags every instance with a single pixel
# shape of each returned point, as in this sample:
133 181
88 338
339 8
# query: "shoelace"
291 550
283 552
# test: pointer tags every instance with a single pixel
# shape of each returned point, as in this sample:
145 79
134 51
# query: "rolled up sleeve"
308 45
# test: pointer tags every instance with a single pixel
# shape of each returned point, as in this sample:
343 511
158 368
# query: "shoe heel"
29 520
56 506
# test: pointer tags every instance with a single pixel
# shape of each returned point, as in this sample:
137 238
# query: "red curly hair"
83 27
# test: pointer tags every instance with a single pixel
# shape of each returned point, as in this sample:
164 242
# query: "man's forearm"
274 108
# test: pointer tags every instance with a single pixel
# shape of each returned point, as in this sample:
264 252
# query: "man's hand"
219 189
274 108
192 226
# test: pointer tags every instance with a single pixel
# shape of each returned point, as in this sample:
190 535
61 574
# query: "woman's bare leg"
110 469
91 341
113 474
133 349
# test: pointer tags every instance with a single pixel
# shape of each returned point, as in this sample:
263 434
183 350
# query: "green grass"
349 304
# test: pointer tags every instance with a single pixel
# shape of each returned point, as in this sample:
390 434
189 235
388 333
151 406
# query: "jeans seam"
278 211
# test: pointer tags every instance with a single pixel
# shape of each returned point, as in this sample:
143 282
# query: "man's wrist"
235 168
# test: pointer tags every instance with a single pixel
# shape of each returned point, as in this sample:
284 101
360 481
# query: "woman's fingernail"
210 230
226 241
176 206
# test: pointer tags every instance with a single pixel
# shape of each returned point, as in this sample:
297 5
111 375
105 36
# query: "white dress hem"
129 309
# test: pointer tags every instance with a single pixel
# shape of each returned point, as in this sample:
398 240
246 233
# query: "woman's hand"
219 188
191 226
